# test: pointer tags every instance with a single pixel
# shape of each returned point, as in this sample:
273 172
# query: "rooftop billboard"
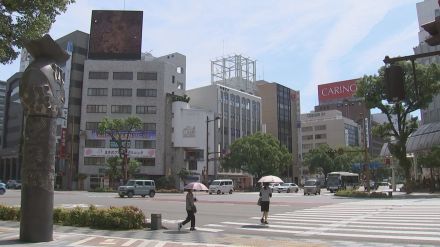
115 35
337 90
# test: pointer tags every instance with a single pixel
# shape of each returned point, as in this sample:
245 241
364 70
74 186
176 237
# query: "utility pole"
207 146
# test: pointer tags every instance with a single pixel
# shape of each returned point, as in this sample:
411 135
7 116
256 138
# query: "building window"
320 127
92 125
95 143
307 146
308 128
97 91
125 92
307 137
146 92
114 144
96 108
121 108
320 136
145 144
98 75
142 109
146 161
144 76
149 126
173 79
94 161
180 70
122 75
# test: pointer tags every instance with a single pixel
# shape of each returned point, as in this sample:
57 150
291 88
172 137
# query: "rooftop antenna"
223 48
124 4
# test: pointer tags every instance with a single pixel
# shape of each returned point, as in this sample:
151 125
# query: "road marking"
129 242
207 229
110 241
82 241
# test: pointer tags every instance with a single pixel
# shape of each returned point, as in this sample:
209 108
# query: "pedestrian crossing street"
382 220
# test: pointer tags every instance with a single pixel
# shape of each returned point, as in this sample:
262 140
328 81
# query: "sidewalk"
82 236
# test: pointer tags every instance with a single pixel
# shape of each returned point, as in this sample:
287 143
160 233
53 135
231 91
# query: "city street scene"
228 123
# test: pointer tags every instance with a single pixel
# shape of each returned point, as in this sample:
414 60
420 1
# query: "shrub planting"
360 194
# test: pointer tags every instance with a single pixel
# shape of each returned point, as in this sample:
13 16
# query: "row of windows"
127 109
145 126
317 136
127 92
104 75
310 128
100 161
138 144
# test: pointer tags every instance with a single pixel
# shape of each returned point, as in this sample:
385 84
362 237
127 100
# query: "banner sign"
140 134
337 90
110 152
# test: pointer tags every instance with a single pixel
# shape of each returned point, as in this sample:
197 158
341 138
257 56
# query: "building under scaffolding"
236 72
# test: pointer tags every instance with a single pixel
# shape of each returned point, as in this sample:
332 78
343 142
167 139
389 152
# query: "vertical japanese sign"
62 151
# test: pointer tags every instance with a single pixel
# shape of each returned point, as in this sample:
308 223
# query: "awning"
424 138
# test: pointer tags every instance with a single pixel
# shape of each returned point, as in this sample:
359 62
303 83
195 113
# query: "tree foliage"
120 131
25 20
324 159
259 154
372 89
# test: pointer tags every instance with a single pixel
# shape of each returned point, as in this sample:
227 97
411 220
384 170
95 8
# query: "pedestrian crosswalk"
412 221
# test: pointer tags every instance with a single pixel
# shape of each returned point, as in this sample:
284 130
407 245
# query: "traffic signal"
394 83
433 28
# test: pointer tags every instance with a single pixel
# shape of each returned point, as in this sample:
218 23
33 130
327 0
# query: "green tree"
258 154
120 131
25 20
320 159
114 169
372 89
431 160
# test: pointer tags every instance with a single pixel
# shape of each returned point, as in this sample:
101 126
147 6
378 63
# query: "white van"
221 186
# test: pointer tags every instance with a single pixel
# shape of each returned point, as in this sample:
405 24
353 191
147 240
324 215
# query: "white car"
274 187
288 187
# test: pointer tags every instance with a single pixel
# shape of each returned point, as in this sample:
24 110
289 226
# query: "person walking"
265 195
190 210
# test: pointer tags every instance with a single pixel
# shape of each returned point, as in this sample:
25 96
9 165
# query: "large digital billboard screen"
337 90
115 35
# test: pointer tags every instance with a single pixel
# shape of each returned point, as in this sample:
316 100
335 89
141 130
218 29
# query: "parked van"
221 186
137 187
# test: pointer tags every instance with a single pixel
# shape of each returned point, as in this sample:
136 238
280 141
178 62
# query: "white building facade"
118 89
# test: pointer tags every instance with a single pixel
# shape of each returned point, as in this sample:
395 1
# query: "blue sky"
299 44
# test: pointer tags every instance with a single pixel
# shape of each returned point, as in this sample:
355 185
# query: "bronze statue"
42 98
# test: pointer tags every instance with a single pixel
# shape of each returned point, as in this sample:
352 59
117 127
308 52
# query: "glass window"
125 92
95 143
149 126
141 109
122 75
98 75
146 92
152 76
97 91
121 108
145 144
146 161
96 108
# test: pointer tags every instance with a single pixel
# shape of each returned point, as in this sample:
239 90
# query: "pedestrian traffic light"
433 28
394 83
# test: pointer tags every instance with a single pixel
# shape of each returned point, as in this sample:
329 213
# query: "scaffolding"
236 72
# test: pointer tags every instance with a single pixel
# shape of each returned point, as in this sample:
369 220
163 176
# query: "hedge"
360 194
125 218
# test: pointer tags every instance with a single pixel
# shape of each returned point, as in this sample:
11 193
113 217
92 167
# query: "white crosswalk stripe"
382 220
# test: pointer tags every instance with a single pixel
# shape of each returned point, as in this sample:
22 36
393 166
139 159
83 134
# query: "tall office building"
232 97
426 12
280 111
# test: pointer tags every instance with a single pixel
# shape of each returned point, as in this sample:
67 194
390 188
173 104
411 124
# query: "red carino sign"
337 90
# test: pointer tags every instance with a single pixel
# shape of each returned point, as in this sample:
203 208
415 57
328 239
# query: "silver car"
288 187
137 187
312 186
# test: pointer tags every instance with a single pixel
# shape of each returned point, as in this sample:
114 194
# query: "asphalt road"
371 222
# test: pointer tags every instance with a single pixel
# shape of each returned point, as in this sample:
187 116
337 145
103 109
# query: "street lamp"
207 146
